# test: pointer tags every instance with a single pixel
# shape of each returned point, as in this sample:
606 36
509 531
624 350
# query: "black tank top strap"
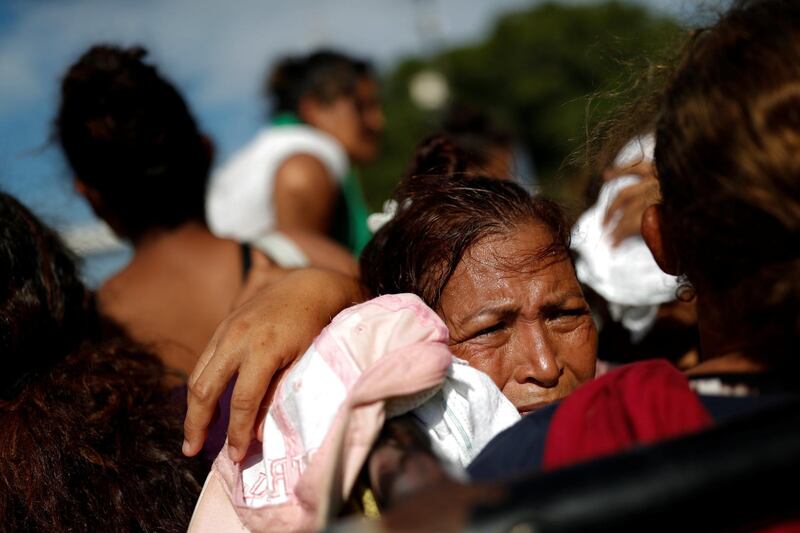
247 259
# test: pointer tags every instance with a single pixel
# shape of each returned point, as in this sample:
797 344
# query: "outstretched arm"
258 340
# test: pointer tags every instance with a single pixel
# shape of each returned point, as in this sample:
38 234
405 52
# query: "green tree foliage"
548 74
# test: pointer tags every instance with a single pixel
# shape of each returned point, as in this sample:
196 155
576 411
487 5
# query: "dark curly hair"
90 437
728 139
128 134
325 75
440 216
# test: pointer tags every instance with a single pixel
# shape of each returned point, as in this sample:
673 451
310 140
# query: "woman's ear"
654 237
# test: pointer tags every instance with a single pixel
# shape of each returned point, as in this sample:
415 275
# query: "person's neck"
156 238
722 347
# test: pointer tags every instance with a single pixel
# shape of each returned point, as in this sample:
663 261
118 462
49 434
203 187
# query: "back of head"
45 309
324 75
129 136
728 136
439 155
439 217
89 441
476 133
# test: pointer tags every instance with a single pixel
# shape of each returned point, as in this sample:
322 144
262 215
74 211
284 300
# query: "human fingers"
207 383
255 376
628 226
642 168
619 204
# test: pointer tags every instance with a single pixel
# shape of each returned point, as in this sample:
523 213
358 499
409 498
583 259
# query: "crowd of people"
272 359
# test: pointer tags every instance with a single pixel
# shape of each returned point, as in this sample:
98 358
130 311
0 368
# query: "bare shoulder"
303 171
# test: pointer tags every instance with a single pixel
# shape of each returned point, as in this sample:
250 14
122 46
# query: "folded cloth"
626 275
375 360
465 415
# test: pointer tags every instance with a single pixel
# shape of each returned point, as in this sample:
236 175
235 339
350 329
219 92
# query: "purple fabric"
218 430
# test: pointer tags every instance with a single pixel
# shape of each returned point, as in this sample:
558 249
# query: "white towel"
627 276
465 414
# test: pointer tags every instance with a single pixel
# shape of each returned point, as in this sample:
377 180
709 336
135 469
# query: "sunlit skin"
356 120
521 319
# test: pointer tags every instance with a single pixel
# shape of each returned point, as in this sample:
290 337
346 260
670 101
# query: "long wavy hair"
90 437
727 145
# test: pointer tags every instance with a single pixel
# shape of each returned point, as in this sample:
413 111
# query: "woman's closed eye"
494 328
565 312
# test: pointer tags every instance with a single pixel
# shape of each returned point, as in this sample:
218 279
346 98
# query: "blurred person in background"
142 163
487 147
298 174
484 148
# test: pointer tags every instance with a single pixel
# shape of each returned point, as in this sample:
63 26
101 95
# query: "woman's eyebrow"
559 300
496 310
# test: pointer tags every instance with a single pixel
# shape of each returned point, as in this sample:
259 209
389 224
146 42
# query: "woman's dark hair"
324 75
128 134
728 139
90 440
439 217
45 309
439 155
463 146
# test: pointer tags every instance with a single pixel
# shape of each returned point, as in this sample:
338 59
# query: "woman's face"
356 120
520 319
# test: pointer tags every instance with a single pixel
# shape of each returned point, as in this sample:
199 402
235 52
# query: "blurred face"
520 319
356 121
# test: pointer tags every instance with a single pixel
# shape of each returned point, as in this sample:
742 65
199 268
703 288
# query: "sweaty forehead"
506 266
522 250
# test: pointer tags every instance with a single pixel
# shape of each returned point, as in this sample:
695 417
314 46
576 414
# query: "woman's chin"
530 408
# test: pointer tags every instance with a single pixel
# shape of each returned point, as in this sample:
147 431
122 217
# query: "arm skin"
304 195
322 252
258 340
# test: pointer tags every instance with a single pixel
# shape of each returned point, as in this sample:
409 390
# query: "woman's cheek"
582 350
482 358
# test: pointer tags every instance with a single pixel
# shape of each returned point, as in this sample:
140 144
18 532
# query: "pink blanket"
381 358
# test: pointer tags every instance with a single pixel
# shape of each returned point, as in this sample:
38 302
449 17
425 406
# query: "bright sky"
216 52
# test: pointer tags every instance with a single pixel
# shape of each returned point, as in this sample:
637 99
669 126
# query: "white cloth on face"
239 199
627 276
465 414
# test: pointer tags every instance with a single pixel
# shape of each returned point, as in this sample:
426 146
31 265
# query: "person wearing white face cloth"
615 262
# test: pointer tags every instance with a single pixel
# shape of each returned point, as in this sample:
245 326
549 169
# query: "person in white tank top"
296 173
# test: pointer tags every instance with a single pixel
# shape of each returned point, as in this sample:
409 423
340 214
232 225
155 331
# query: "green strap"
358 234
285 118
350 219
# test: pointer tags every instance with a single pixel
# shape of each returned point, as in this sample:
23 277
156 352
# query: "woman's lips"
532 407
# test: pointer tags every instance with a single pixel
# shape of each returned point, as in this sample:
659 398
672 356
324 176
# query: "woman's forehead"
499 267
523 249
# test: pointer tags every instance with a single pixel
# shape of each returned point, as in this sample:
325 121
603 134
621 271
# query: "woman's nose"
375 119
536 358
